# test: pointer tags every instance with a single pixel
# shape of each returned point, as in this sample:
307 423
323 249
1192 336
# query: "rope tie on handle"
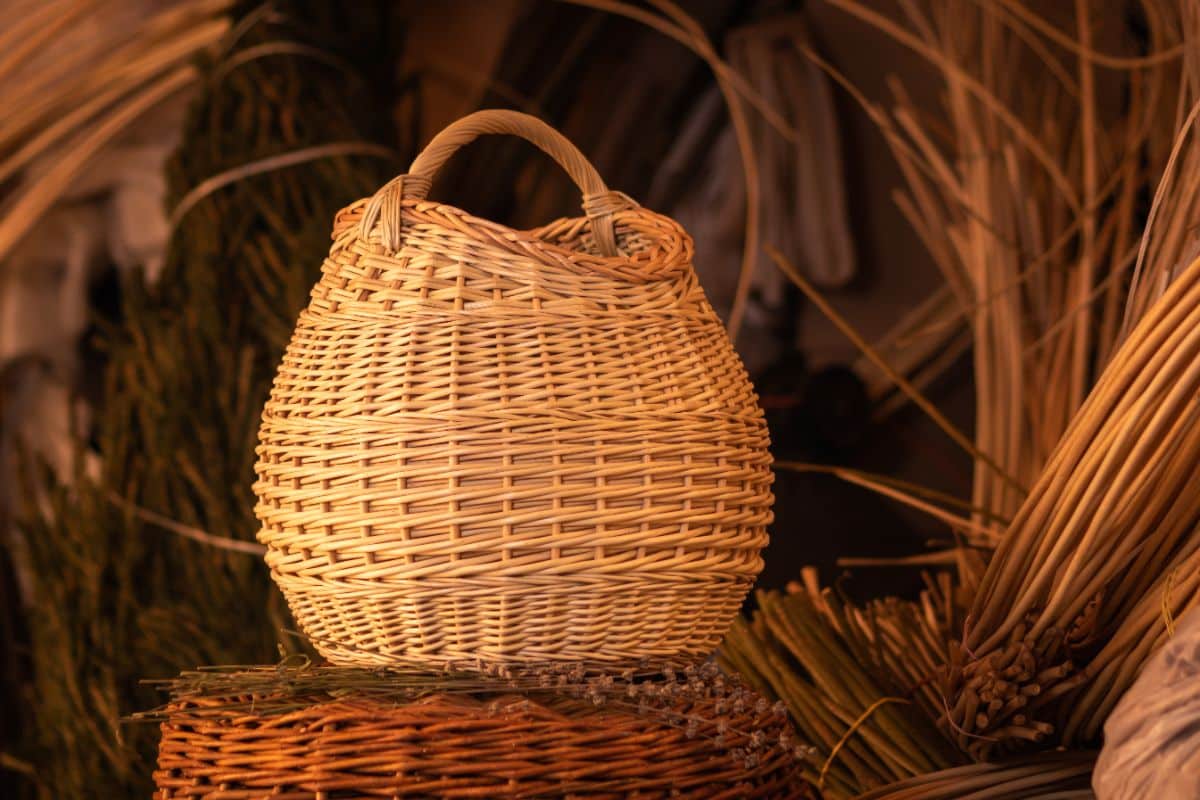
599 207
385 208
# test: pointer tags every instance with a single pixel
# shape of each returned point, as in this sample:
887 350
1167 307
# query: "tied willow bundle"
860 701
1024 195
120 591
1103 552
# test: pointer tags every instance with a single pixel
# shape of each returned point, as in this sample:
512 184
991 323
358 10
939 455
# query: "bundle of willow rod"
1024 194
1028 207
1105 532
855 680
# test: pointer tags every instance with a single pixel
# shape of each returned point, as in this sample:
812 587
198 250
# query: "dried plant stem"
994 105
684 29
1087 250
28 207
866 349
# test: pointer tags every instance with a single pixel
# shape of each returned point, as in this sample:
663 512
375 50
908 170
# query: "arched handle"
599 203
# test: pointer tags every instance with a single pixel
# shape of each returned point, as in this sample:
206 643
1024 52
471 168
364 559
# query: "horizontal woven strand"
565 563
468 365
683 583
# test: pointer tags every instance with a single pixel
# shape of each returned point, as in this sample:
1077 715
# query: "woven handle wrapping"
598 202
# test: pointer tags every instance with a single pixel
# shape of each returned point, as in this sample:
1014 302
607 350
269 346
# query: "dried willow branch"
981 196
67 111
1089 571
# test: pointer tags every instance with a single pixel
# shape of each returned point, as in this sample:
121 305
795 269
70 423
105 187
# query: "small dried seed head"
804 753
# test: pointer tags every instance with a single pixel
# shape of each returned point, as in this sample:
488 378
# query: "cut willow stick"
188 531
1087 249
1141 633
1057 775
271 164
913 489
972 85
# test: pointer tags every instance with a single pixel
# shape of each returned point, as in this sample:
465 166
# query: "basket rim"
669 254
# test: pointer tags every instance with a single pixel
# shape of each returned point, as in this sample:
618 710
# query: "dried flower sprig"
701 699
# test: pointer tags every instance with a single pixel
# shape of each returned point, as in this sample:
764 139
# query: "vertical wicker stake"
507 445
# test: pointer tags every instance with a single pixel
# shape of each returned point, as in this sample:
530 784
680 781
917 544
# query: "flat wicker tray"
449 745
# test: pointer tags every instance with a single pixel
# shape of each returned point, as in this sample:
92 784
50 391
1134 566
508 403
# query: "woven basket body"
453 746
499 444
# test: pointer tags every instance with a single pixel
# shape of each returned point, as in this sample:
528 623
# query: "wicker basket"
453 746
511 445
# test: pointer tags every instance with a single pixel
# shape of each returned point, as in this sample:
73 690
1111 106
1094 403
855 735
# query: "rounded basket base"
558 618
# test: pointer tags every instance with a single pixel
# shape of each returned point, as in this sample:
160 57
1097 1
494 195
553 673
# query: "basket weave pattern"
452 746
500 444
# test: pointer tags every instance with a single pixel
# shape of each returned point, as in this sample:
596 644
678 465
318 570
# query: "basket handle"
599 203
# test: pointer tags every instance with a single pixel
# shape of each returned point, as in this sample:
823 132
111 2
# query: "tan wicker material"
455 746
499 444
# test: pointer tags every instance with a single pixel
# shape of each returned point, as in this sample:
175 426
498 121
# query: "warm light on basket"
511 445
